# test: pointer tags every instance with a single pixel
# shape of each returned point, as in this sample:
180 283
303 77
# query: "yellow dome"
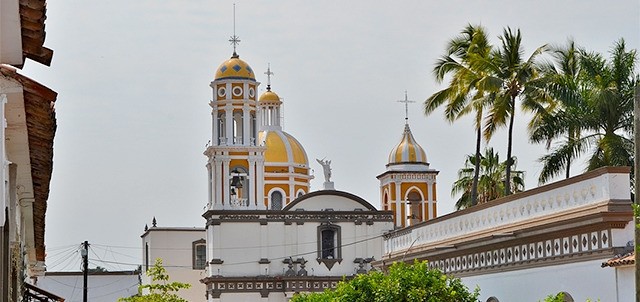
269 97
407 151
235 68
282 148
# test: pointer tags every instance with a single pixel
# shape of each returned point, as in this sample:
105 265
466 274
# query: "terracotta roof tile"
620 260
41 129
33 13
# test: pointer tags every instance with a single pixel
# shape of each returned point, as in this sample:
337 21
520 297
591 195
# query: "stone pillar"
252 200
217 184
225 181
214 124
398 201
246 124
260 183
228 111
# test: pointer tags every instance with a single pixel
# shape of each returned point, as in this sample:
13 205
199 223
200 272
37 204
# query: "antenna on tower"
235 40
269 74
406 102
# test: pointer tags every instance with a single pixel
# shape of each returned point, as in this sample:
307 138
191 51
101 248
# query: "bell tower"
408 187
235 159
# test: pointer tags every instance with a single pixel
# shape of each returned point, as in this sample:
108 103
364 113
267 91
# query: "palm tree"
600 114
562 118
510 78
491 182
610 95
463 95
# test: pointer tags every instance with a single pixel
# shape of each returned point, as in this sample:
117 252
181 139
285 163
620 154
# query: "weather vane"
406 106
234 39
269 74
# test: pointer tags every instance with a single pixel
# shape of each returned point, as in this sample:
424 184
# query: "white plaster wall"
242 249
583 280
174 247
337 203
626 283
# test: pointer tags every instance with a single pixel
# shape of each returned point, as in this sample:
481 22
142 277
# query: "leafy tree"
464 95
491 182
601 114
160 289
510 78
404 282
562 120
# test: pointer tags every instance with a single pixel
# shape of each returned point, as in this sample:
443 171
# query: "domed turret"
408 151
283 148
235 68
408 187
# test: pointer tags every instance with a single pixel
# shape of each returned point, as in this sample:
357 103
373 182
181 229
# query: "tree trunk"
507 181
476 171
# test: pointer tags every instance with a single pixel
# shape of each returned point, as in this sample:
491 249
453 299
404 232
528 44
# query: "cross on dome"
235 40
269 74
406 102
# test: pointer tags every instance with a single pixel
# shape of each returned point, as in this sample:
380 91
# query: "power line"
249 262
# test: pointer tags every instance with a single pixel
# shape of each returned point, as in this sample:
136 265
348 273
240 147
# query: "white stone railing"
590 188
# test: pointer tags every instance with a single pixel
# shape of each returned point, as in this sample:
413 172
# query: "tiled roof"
33 13
620 260
41 129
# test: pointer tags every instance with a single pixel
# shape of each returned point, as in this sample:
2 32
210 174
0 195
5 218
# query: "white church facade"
266 236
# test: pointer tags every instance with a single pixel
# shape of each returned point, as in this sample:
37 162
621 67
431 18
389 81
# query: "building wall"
174 246
582 280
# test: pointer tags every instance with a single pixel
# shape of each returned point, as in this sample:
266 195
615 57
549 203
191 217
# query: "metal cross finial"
269 74
406 107
235 40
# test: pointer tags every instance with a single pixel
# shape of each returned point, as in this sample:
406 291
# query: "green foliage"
555 298
160 289
404 282
592 112
491 182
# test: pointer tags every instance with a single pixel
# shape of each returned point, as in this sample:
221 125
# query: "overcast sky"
133 82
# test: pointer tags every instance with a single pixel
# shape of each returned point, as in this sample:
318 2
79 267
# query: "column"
260 183
225 180
399 218
217 184
210 185
214 124
246 122
228 111
258 121
252 181
431 198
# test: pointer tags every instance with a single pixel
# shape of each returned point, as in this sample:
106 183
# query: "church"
266 236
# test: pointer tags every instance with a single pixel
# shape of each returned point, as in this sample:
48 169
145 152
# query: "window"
329 244
493 299
276 200
415 201
199 248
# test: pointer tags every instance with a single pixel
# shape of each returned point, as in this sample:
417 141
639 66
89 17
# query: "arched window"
329 244
237 127
415 201
493 299
199 252
276 200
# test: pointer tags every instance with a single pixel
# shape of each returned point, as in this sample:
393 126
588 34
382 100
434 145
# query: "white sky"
133 114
